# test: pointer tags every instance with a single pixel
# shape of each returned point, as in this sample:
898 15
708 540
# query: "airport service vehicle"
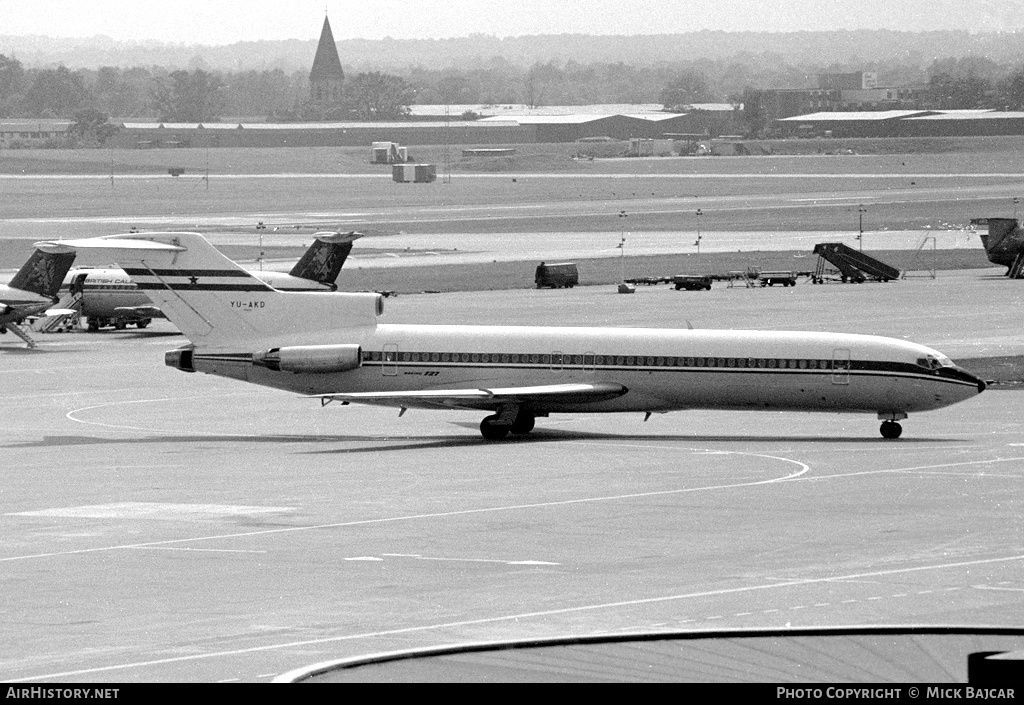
773 278
332 346
32 290
556 276
692 282
109 297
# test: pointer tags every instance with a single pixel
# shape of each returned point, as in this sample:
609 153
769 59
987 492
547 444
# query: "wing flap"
484 397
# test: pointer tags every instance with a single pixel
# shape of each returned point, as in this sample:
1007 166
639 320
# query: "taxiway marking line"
70 414
855 200
916 469
185 548
989 587
463 560
462 512
486 510
520 616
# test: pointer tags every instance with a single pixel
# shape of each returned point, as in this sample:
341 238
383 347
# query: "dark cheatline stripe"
741 366
187 272
205 287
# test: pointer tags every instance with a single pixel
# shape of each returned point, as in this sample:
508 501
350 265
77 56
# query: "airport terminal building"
507 126
904 123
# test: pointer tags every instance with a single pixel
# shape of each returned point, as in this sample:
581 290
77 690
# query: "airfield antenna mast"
260 227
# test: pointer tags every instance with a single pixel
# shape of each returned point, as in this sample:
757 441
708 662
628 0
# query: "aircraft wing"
485 398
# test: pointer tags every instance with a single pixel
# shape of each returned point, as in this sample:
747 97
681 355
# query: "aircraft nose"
962 374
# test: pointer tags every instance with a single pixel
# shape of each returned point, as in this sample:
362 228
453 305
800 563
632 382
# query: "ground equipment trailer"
773 278
692 282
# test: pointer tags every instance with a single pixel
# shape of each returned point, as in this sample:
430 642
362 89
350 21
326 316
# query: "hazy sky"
229 21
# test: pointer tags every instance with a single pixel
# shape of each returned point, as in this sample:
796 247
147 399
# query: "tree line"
198 95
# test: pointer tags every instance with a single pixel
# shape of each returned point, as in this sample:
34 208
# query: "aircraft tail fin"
43 273
324 259
217 303
1003 241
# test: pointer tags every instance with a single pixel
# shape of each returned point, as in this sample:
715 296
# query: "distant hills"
838 49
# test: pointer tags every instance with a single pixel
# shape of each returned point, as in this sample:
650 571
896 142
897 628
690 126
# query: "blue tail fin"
43 273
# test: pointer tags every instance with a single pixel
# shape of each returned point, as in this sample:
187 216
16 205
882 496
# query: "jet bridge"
853 265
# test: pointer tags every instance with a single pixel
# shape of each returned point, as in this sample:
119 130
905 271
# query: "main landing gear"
495 428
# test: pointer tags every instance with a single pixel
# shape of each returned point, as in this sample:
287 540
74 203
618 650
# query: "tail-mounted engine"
180 359
310 359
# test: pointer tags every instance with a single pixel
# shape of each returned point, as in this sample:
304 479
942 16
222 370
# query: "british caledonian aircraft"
33 290
109 296
331 346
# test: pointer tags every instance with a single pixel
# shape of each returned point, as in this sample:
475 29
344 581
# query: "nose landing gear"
891 429
890 426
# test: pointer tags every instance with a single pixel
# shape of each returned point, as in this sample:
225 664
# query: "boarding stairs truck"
68 311
853 265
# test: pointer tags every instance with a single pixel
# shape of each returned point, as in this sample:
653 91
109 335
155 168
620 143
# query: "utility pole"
861 210
699 238
622 246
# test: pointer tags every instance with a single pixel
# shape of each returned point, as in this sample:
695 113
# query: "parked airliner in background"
32 290
108 297
331 346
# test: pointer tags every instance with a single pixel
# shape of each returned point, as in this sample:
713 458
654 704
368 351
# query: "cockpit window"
934 362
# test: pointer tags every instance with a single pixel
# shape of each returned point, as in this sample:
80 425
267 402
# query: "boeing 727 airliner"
331 346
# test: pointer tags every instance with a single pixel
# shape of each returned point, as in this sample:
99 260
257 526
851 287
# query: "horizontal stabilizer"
106 243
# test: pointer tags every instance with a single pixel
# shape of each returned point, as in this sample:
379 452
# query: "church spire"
326 76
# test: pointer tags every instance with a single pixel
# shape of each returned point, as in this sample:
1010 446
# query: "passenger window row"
599 360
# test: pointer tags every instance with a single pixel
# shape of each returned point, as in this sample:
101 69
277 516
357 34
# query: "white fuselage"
662 370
